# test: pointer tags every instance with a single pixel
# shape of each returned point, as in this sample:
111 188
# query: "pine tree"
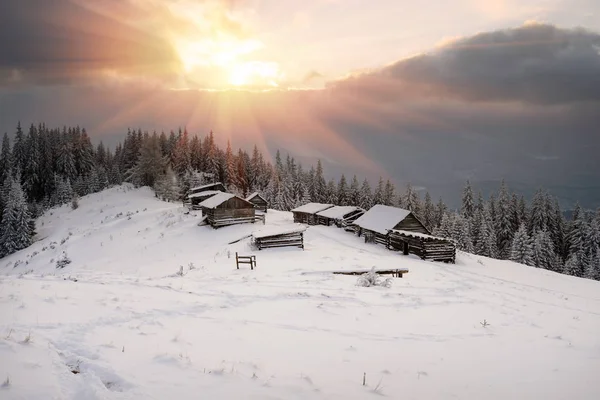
573 265
538 219
331 191
5 159
440 211
342 192
428 213
64 192
365 197
354 194
543 251
487 243
230 172
592 270
320 184
446 227
521 250
150 165
16 230
378 196
468 206
389 193
212 158
195 153
19 151
93 181
504 230
461 234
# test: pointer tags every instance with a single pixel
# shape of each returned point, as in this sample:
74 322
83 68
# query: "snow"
418 234
134 328
204 194
279 230
216 200
312 208
337 212
381 218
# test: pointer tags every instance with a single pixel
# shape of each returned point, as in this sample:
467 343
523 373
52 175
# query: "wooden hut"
225 209
339 215
307 214
196 198
375 223
260 203
425 246
217 187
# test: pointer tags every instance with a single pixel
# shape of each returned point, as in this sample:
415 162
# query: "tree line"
48 167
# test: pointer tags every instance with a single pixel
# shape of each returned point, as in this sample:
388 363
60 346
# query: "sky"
428 92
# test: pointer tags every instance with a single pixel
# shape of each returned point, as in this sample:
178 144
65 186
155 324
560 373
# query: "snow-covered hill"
118 322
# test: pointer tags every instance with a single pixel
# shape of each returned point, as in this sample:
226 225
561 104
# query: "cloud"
535 63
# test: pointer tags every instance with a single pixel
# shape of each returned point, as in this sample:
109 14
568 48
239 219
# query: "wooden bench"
395 272
245 260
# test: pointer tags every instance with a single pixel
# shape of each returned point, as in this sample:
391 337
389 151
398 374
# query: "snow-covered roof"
208 185
418 234
338 212
204 194
253 195
217 200
279 230
312 208
381 218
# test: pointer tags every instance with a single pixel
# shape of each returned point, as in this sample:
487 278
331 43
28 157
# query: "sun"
226 62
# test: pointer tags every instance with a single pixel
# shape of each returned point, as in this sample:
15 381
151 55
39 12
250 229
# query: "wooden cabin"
339 215
307 214
225 209
375 223
216 187
260 203
425 246
196 198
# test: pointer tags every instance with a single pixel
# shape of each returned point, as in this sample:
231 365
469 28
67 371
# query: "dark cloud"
538 64
62 41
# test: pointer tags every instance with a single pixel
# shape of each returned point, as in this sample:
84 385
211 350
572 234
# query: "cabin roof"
312 208
203 194
253 195
208 185
219 199
381 218
418 235
338 212
279 230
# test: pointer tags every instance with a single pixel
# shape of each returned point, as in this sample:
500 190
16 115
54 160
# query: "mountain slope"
130 327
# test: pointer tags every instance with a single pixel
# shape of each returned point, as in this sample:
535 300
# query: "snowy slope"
121 317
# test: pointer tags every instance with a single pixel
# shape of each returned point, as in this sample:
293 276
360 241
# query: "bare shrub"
372 278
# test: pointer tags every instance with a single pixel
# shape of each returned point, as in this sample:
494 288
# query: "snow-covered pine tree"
230 172
538 219
365 197
573 265
331 191
342 192
93 181
378 196
196 158
543 251
504 230
557 231
354 193
592 270
514 213
80 186
521 250
212 157
320 184
65 161
16 230
19 151
522 211
487 243
5 158
467 209
150 164
428 213
440 211
389 194
461 234
446 227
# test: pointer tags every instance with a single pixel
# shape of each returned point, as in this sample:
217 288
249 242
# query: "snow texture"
204 194
418 234
121 321
381 218
253 195
312 208
337 212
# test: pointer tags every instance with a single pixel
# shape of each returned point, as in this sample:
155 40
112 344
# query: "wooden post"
405 248
236 260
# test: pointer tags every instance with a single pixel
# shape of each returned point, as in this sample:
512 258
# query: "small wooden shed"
285 236
225 209
375 223
425 246
216 187
339 215
307 214
260 203
196 198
